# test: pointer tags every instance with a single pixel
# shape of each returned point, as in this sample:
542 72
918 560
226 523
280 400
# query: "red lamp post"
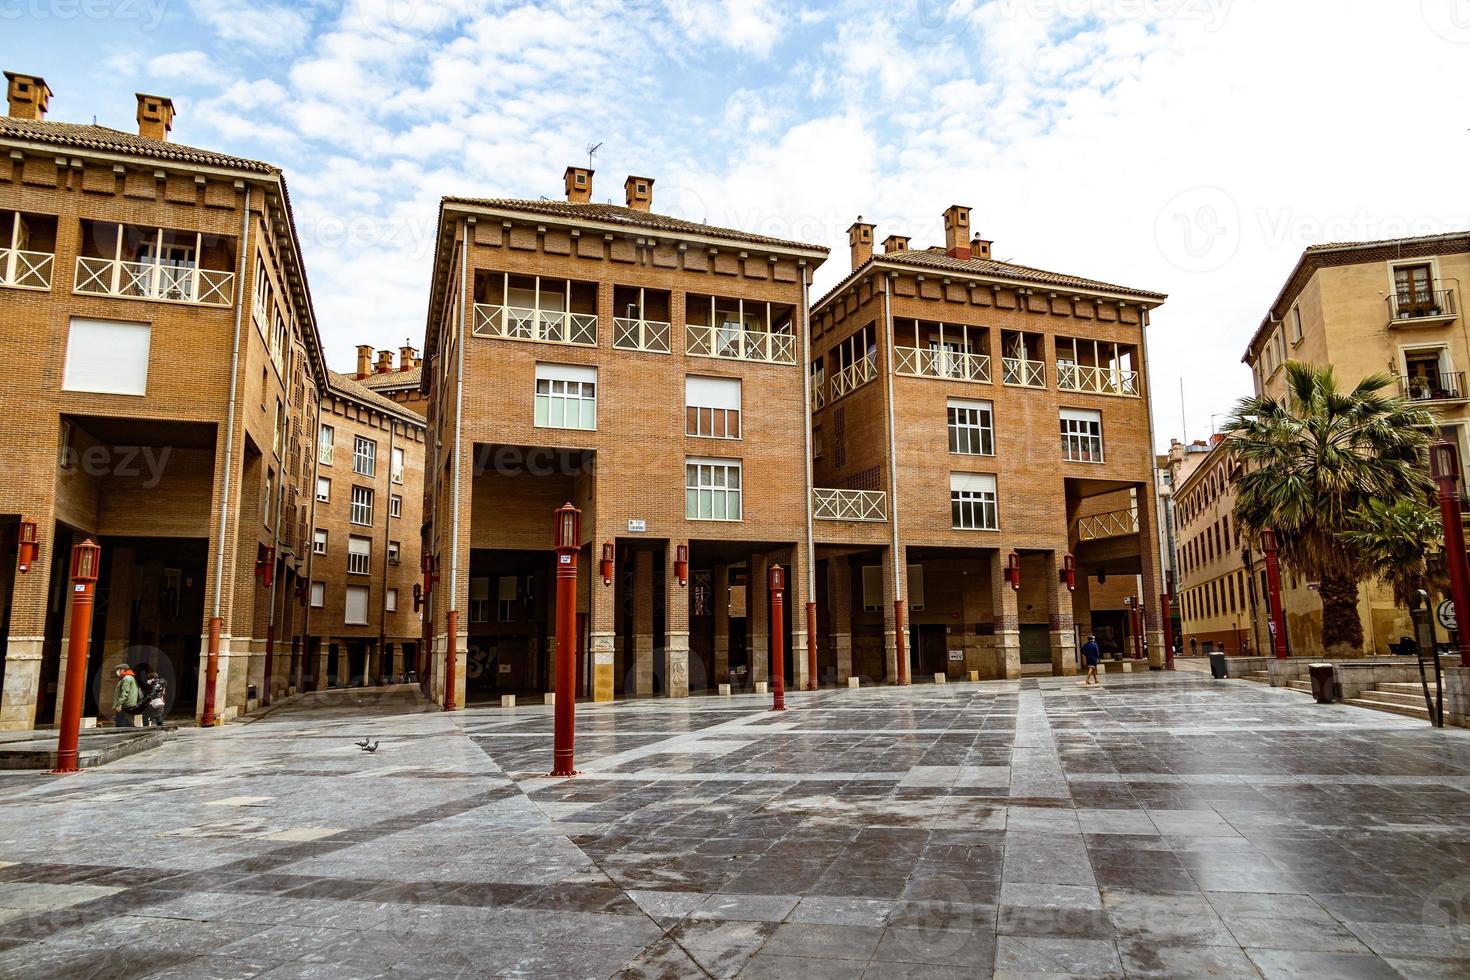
1273 585
1164 601
776 585
568 541
85 560
29 548
1444 466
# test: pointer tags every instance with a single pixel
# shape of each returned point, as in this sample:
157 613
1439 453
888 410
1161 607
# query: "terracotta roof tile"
394 379
352 388
102 138
936 258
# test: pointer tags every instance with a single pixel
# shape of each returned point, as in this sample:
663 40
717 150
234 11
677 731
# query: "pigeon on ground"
362 745
370 748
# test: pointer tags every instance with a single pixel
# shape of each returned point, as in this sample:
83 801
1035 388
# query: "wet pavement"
1164 825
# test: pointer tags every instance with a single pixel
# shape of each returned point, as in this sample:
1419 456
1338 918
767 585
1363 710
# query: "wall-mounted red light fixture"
418 597
606 565
1069 573
30 547
1013 571
265 565
681 564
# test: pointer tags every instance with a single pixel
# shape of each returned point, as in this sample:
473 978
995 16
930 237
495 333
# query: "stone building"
165 375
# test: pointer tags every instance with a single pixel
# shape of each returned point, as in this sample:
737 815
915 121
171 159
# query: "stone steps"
1370 699
1300 685
1412 698
1259 676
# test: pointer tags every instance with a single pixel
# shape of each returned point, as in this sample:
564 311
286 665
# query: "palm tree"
1400 545
1313 461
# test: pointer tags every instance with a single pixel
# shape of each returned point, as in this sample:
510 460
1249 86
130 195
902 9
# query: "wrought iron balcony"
645 335
1097 380
835 504
1112 524
1421 306
1019 371
1434 387
854 376
543 326
920 362
702 340
154 281
26 270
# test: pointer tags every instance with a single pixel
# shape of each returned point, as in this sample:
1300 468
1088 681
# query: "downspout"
1148 398
211 670
452 617
270 618
387 536
316 462
806 432
900 574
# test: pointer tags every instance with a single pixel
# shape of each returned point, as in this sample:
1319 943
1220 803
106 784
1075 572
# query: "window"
318 594
397 465
1082 435
872 588
393 549
107 356
319 541
357 606
972 501
270 496
325 436
390 600
480 599
816 442
970 429
506 608
362 506
323 489
364 456
395 505
712 407
359 555
1295 316
712 489
264 303
566 396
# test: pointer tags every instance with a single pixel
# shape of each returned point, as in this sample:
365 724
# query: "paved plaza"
1164 825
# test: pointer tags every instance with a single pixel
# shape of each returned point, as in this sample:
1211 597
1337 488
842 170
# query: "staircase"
1401 699
1259 676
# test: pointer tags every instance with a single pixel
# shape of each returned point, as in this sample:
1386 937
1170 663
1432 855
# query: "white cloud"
262 26
188 66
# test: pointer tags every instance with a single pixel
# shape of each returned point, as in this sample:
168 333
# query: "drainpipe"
387 536
1149 456
453 615
900 574
806 432
270 618
316 463
211 670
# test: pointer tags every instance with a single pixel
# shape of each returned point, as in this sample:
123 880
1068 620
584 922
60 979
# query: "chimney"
895 243
406 359
957 231
860 238
979 248
28 95
155 117
639 191
385 361
364 361
579 185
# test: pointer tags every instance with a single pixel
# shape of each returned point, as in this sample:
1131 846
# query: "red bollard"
270 665
451 655
776 585
85 559
568 543
811 646
211 675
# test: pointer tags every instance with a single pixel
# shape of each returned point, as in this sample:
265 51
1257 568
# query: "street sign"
637 526
1445 613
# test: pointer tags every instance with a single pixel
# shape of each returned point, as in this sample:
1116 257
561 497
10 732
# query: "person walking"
124 697
154 696
1091 653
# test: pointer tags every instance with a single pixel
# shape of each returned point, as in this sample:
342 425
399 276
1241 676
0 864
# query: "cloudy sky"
1188 146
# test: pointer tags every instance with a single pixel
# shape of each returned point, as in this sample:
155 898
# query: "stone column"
720 590
323 652
839 613
796 587
643 623
1007 618
1059 620
893 621
603 606
758 625
1148 560
374 665
676 631
27 628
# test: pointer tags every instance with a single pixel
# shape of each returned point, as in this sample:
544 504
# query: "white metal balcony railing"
544 326
151 280
645 335
954 365
835 504
1112 524
1018 371
26 270
324 455
702 340
819 394
1099 380
854 376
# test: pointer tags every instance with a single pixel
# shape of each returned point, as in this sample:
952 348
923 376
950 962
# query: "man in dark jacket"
1091 653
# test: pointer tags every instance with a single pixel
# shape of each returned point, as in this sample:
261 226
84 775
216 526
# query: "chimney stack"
579 185
28 95
895 243
639 191
957 231
155 117
364 361
860 239
979 248
385 361
406 358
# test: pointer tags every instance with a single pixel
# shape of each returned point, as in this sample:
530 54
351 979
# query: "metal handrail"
1098 380
1434 387
1019 371
837 504
153 281
630 333
854 376
921 362
703 340
1111 524
541 326
1419 304
26 270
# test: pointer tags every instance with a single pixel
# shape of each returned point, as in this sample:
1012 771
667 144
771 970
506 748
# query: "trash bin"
1217 666
1323 684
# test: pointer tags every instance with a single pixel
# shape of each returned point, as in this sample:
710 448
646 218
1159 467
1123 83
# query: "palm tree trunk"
1342 630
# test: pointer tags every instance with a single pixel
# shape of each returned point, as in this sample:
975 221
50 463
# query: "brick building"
166 364
396 383
368 508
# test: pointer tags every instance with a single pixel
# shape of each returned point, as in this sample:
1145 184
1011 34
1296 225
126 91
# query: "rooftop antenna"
592 149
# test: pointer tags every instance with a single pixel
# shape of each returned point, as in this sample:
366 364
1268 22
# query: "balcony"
953 365
1096 380
854 376
652 336
539 326
832 504
1023 372
158 281
1434 387
1113 524
702 340
1422 308
20 269
819 394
